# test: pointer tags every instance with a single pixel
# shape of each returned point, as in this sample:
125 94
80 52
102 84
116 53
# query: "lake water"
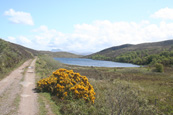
90 62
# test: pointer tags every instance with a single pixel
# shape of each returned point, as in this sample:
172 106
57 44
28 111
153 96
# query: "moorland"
146 90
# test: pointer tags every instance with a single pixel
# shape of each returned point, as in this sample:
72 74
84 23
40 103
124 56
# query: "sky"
85 25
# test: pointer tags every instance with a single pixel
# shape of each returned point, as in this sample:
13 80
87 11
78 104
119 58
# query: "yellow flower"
93 101
66 80
65 93
76 92
86 95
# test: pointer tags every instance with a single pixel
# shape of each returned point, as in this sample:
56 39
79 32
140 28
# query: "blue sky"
85 25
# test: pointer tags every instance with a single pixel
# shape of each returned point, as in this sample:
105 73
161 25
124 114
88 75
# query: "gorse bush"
159 67
66 84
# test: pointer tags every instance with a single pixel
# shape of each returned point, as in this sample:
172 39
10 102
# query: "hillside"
142 54
12 54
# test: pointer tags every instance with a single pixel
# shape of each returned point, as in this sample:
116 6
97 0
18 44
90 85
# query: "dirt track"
28 104
17 95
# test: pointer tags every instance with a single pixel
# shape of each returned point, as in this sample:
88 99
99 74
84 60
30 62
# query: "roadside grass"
16 104
42 108
45 65
118 90
43 99
7 71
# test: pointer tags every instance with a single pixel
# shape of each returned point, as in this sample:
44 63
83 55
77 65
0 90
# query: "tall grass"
113 96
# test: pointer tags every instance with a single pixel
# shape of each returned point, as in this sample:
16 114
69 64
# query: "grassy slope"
12 55
60 54
154 47
151 48
118 90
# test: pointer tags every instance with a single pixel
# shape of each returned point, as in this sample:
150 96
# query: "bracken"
67 84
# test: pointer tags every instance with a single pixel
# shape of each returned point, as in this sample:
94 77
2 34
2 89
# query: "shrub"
66 84
159 67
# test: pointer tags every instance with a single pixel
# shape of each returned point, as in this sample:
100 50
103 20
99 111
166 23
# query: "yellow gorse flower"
63 82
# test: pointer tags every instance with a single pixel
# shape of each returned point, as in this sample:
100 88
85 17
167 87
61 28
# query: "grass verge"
7 71
48 106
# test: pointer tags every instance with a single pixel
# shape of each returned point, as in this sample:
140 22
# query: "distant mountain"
72 52
56 50
81 53
85 53
138 54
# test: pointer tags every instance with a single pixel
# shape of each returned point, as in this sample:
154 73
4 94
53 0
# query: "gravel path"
10 90
28 104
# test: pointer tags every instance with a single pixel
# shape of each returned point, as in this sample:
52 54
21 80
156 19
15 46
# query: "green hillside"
142 54
11 55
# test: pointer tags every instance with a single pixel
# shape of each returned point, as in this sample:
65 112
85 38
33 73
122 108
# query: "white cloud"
102 34
40 29
164 13
19 17
24 40
48 38
11 39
